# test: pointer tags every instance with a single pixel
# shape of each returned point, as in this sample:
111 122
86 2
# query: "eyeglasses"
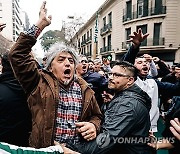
116 75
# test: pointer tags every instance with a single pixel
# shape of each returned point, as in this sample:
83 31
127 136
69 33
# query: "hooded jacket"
42 89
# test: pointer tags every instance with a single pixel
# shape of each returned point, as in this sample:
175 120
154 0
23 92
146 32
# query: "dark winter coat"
15 117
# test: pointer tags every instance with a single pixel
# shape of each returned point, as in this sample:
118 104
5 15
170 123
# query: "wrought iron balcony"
105 49
146 12
106 28
148 42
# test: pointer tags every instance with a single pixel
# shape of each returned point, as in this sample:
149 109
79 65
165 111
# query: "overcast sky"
60 10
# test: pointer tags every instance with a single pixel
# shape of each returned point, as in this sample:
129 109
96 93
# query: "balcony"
156 41
146 12
88 54
107 28
89 39
148 42
105 49
126 45
83 43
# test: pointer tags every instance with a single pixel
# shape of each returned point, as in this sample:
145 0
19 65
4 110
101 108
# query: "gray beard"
66 82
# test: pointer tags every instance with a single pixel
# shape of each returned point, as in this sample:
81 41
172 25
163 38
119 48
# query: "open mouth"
145 68
83 67
67 72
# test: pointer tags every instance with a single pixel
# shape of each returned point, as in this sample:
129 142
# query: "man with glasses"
126 117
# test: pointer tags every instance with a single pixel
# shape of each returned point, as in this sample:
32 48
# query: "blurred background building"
106 32
16 21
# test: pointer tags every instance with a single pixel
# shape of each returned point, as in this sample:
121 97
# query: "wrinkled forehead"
82 58
140 59
64 54
119 69
91 63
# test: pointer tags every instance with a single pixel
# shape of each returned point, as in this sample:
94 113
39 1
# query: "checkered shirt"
69 111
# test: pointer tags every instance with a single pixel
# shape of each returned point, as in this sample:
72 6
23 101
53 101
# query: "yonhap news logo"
103 140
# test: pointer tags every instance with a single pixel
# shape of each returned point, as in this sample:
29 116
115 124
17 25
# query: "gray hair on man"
57 48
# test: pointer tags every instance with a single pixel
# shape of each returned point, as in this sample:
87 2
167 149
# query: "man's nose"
67 62
110 76
145 63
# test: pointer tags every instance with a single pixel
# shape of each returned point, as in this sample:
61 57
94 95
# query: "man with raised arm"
59 101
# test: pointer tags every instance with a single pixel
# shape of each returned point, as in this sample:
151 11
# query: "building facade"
10 14
107 31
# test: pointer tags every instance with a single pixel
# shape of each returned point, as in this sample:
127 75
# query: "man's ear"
131 81
50 69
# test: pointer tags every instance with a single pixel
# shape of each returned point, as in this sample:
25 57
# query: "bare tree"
72 27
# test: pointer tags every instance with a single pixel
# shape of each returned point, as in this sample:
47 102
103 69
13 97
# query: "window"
104 21
90 49
144 31
156 36
110 17
90 34
109 43
128 32
140 8
104 44
129 9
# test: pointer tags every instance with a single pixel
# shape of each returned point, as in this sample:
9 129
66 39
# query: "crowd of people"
71 104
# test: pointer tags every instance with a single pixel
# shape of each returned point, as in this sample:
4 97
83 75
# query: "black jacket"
15 117
98 84
126 116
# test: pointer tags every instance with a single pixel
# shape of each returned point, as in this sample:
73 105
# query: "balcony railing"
156 41
148 42
88 54
106 28
146 12
89 39
83 43
105 49
126 45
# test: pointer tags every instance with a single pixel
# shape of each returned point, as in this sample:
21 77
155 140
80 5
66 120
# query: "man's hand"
2 26
137 38
87 130
106 97
156 59
175 129
43 19
65 149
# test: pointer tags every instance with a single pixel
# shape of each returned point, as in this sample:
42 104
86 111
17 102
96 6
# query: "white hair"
57 48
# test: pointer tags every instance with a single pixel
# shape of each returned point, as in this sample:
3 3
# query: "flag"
96 29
